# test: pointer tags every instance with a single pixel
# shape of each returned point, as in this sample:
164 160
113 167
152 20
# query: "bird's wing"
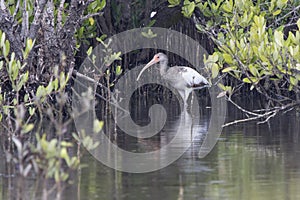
191 76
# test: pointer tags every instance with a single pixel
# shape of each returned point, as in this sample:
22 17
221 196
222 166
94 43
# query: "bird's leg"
186 96
182 94
185 106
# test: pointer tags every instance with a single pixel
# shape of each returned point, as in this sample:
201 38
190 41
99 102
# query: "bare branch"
244 110
59 15
25 22
267 115
73 21
7 24
113 100
91 15
240 121
2 5
284 16
37 17
17 9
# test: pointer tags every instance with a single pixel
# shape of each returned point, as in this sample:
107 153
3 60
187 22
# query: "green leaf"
2 43
63 80
101 5
250 80
26 128
6 48
188 9
215 57
101 38
229 69
52 147
281 3
259 21
228 59
228 6
272 5
98 125
55 84
278 37
277 12
66 144
23 80
31 111
221 86
40 91
29 44
92 21
28 48
214 70
253 70
26 97
118 70
173 3
151 23
80 32
56 176
298 24
89 51
149 34
64 154
247 80
76 137
49 88
13 69
293 80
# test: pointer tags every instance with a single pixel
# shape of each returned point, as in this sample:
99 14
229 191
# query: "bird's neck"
163 67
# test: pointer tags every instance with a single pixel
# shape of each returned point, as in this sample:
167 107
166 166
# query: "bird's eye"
157 57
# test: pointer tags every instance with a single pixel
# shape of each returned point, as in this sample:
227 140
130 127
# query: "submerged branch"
244 110
269 113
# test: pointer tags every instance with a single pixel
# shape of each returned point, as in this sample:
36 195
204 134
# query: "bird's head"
159 57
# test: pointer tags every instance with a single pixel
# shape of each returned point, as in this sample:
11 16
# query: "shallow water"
249 161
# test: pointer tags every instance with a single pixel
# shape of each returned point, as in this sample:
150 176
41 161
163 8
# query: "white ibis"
184 79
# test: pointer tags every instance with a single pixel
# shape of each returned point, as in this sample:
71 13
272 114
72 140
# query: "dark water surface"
249 162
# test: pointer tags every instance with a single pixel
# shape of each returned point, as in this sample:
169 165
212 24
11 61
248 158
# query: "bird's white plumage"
184 79
192 77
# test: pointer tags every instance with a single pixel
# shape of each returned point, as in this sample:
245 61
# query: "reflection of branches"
265 114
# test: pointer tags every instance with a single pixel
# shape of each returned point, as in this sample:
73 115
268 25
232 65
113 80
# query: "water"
249 162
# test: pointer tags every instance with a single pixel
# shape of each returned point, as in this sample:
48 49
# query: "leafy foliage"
49 157
258 44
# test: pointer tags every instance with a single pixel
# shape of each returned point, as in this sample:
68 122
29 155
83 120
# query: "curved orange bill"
149 64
